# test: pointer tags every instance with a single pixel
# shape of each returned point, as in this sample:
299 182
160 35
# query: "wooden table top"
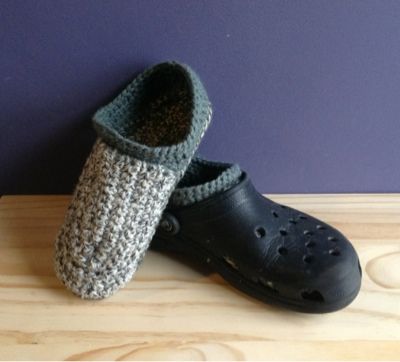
177 310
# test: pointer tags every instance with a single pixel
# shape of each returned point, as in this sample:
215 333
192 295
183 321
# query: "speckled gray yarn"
116 207
122 122
147 138
203 179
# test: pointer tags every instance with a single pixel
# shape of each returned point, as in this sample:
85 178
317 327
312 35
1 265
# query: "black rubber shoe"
269 251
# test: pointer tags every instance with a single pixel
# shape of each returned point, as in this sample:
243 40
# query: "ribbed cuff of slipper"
147 138
204 179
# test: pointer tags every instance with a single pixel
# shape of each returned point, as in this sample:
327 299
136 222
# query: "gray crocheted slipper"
146 139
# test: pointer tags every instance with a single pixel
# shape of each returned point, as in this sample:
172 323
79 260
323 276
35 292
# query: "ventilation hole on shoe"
303 217
313 295
334 252
282 250
259 232
332 238
320 227
283 232
275 214
310 244
269 284
293 221
283 206
308 259
229 261
308 232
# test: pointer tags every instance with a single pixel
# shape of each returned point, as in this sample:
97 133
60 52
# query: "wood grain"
177 310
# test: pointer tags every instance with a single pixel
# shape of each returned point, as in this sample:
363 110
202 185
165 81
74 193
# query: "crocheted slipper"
147 137
269 251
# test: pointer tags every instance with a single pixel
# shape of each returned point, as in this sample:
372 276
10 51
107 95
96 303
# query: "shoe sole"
253 289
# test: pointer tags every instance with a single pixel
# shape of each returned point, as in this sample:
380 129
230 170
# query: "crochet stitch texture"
203 179
147 138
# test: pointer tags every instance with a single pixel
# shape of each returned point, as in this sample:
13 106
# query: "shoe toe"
311 264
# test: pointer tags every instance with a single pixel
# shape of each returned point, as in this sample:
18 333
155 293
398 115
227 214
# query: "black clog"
270 251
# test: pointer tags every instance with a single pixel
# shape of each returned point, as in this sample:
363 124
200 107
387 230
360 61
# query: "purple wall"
305 93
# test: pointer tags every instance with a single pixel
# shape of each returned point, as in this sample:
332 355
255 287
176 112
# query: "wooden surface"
175 310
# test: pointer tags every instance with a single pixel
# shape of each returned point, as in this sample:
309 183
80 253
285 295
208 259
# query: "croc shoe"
269 251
